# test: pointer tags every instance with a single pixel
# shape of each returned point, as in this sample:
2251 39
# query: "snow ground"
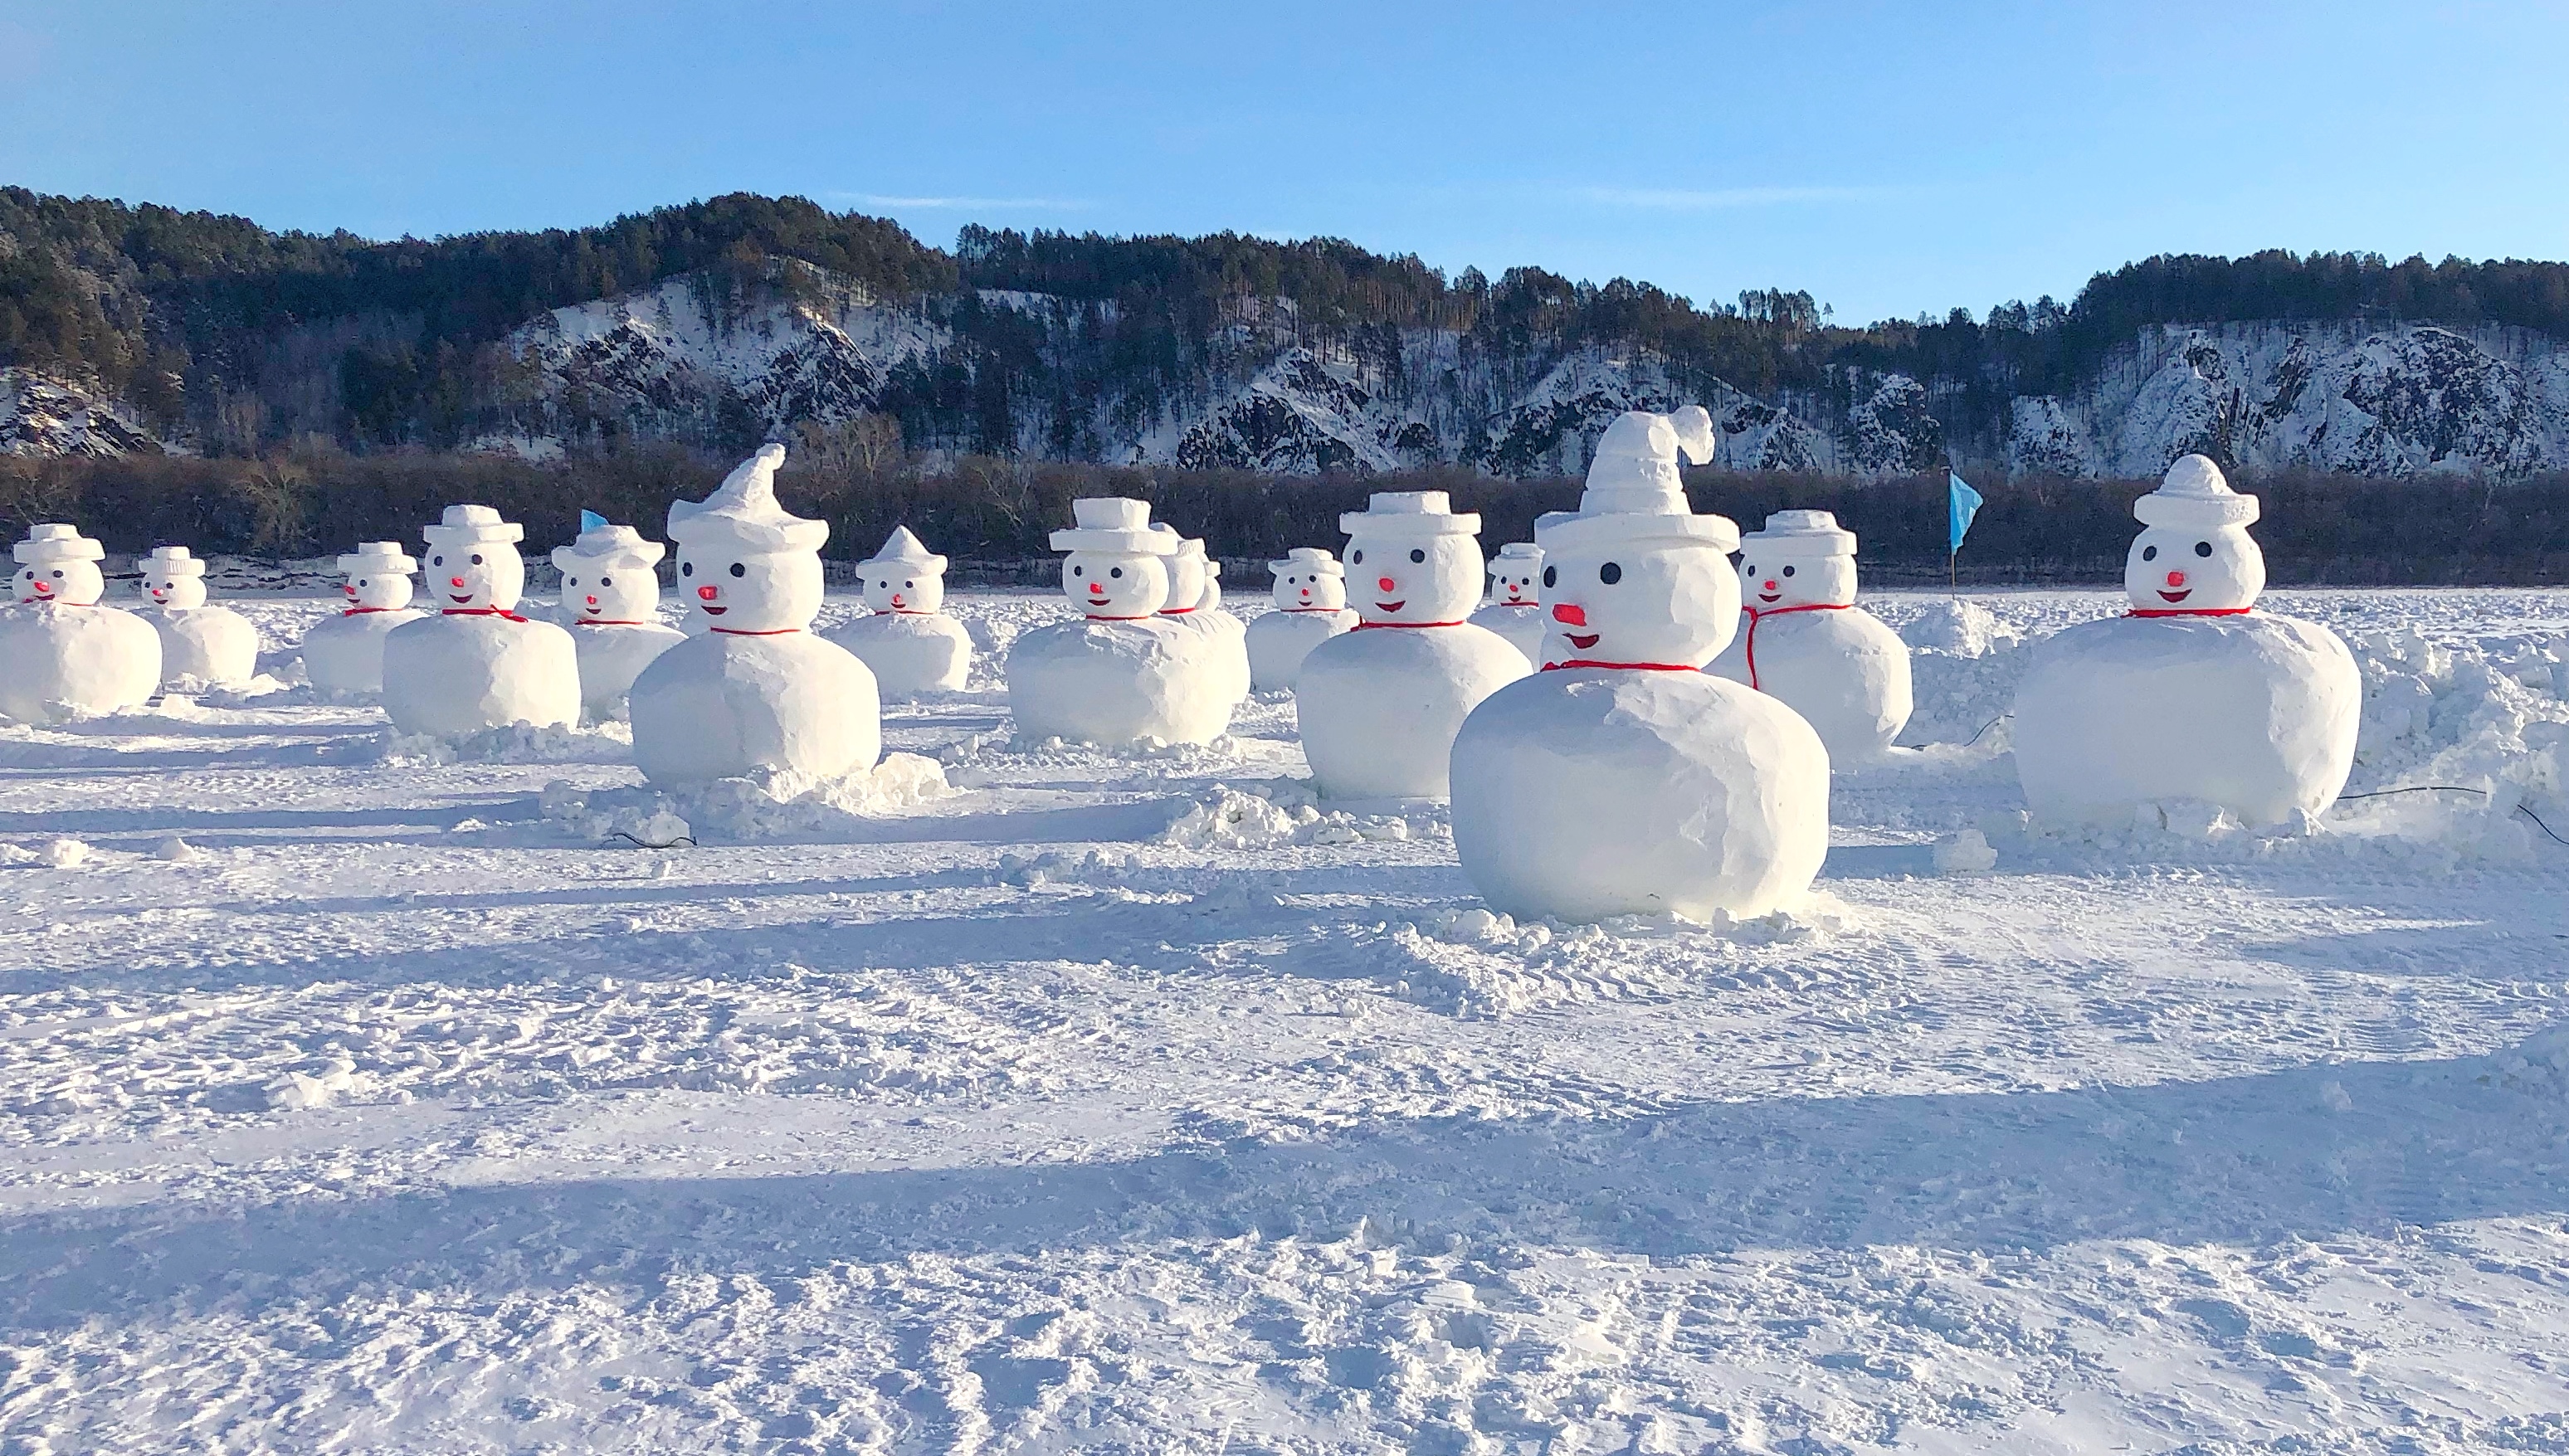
1094 1108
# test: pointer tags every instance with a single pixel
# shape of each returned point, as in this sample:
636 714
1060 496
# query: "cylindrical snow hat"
378 558
1310 560
1634 491
606 547
1800 533
2193 496
743 511
1410 514
1114 523
172 561
1516 556
906 552
472 525
55 542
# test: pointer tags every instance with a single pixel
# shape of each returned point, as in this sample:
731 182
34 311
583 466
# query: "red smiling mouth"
1390 607
465 601
1770 596
2176 596
1582 644
712 610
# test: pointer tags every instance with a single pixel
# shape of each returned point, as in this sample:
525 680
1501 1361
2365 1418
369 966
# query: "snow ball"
64 854
663 829
175 850
1967 853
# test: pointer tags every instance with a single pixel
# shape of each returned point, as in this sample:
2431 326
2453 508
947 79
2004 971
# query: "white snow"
1130 1101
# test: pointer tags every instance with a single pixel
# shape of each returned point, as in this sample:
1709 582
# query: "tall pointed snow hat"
1410 516
378 558
1635 491
908 553
172 561
743 511
55 542
471 526
2193 496
1802 534
603 546
1114 523
1310 560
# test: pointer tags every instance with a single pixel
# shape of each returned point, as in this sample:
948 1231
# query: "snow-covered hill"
44 416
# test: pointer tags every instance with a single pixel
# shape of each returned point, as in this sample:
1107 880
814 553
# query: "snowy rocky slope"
370 1094
44 416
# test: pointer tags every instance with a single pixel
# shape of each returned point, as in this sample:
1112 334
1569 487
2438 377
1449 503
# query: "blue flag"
590 520
1961 502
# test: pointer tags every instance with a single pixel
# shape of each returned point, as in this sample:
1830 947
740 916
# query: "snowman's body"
2194 694
1621 780
212 646
1195 602
610 600
1379 705
755 690
1514 607
1310 596
908 642
343 655
476 664
1804 641
1122 675
64 654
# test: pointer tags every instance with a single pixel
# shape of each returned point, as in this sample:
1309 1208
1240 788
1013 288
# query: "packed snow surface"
468 1096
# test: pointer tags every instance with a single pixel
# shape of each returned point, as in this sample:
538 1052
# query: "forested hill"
721 322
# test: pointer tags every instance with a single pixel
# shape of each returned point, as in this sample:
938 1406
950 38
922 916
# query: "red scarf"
746 632
362 610
609 621
480 612
1749 650
2189 611
1368 626
1315 609
1622 666
1096 618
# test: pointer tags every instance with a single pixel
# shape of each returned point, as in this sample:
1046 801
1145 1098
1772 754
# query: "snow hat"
55 542
172 561
743 510
470 526
1516 556
2194 497
901 549
378 556
1800 533
1409 514
1312 560
608 548
1634 493
1114 523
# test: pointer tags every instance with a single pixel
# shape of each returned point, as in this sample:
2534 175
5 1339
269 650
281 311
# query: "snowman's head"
1411 560
1309 579
1669 601
746 566
378 576
1516 575
1210 600
1118 564
473 560
173 577
57 563
2194 552
1801 559
1186 571
610 575
904 576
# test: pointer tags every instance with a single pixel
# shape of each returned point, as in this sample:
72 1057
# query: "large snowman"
1379 705
1804 639
610 600
1514 607
1310 596
755 689
2192 693
1621 780
343 655
478 664
1122 675
1195 601
909 640
63 653
212 644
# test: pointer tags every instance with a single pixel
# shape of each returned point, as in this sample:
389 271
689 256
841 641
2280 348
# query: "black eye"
1115 571
605 581
1079 571
477 558
2150 554
909 584
362 582
1418 555
1355 559
1552 575
437 560
1609 573
2203 548
686 569
1788 570
739 569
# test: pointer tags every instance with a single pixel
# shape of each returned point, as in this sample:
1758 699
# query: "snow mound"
513 743
771 804
1280 815
1960 628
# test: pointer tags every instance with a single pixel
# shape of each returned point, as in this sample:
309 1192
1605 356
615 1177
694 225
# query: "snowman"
755 689
1379 705
1513 609
1310 607
909 640
1805 641
610 600
1122 675
477 664
212 644
1195 601
343 655
2191 694
64 654
1621 780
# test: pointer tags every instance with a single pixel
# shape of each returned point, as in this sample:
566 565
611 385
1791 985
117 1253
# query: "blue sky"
1887 158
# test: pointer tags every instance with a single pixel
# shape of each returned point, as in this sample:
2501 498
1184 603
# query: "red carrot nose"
592 601
1768 586
1563 611
2176 578
458 580
1388 585
708 594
